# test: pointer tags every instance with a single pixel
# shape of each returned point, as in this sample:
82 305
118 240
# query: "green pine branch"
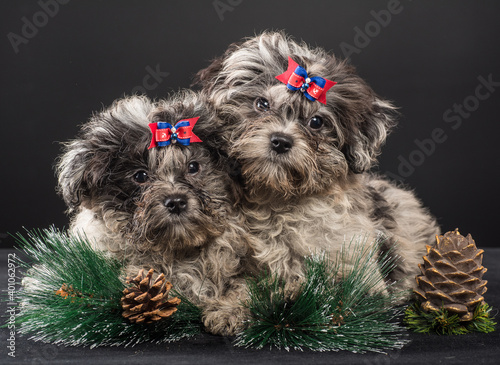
443 322
90 314
327 315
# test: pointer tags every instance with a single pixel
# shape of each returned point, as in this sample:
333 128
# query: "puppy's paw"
293 288
379 289
225 322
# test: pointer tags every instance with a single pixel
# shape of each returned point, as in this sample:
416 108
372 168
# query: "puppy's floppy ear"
85 164
365 143
365 118
71 168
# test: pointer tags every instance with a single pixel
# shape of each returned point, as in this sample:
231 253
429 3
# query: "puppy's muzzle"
281 143
176 204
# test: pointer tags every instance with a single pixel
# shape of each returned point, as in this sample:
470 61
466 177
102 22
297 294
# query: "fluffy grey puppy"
167 208
304 183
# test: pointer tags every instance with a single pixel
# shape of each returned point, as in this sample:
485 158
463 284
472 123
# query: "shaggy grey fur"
169 208
304 185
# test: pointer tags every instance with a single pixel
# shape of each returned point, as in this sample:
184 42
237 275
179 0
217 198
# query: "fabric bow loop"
296 78
165 134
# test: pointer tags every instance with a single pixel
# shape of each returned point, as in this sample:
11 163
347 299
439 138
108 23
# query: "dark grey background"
427 58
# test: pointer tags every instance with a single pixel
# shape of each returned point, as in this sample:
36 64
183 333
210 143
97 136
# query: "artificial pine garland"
444 322
328 315
71 295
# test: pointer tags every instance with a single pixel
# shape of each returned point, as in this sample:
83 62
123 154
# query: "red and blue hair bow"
164 134
295 78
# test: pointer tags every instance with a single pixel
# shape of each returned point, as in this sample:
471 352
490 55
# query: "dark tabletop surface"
208 349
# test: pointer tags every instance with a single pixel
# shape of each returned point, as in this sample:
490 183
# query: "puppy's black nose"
176 204
281 143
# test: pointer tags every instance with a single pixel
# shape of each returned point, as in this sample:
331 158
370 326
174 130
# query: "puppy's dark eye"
193 167
315 122
262 104
141 177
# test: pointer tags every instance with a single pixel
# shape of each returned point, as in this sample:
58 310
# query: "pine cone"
452 276
146 303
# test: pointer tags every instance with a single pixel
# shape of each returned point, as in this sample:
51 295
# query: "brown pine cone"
452 276
146 303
